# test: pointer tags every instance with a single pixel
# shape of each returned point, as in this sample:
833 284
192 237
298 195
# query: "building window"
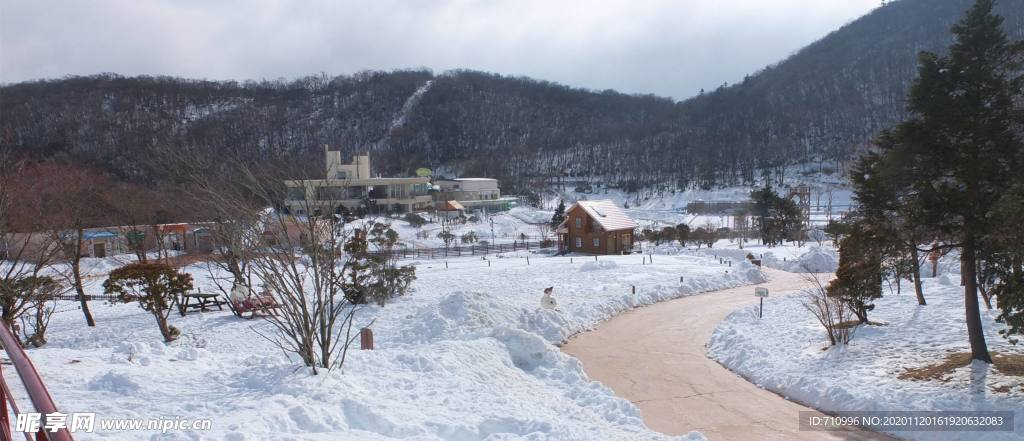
579 222
597 242
296 193
579 242
330 193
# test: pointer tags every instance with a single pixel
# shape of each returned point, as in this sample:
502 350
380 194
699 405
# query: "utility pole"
490 220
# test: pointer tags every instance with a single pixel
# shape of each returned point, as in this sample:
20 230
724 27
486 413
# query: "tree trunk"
975 332
981 287
985 297
76 272
165 329
918 290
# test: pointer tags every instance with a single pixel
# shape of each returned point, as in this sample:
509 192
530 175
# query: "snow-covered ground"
788 257
469 355
651 210
787 352
667 206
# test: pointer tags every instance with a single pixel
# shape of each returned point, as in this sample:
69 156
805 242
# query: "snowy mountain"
820 105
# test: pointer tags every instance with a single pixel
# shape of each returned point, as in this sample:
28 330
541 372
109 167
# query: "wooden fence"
469 250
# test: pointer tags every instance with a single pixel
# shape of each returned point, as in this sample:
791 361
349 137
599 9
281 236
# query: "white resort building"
473 194
351 185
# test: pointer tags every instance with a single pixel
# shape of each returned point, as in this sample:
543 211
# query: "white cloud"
664 47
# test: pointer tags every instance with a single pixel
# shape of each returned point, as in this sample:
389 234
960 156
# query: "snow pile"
598 265
470 354
815 260
119 384
787 352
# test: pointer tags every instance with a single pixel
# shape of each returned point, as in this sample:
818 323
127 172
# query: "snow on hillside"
468 355
787 352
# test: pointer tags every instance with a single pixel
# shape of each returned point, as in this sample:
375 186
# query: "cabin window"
597 242
625 240
579 242
579 222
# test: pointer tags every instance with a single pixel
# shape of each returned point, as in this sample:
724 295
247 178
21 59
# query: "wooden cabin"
596 227
450 209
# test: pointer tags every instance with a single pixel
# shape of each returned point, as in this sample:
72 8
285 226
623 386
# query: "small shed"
99 243
450 209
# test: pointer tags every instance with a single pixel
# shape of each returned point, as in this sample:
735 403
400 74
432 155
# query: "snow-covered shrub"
415 220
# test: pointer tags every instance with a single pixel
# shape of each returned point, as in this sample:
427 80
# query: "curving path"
656 358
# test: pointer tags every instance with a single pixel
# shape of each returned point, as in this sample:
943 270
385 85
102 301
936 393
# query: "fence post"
446 264
366 339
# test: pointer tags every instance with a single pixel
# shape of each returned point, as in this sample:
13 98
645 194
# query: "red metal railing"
42 402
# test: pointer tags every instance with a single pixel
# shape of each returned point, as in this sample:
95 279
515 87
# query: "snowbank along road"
656 358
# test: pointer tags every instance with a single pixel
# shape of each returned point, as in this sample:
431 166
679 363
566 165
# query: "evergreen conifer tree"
559 215
960 152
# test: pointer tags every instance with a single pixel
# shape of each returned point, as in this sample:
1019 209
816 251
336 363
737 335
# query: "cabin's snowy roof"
452 206
608 215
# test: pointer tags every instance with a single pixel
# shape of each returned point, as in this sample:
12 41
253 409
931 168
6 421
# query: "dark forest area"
821 105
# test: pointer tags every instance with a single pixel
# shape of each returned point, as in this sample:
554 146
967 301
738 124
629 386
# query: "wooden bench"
200 301
262 304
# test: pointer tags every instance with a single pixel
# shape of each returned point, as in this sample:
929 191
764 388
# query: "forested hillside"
821 104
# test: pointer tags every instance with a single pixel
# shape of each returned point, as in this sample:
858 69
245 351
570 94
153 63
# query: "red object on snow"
42 402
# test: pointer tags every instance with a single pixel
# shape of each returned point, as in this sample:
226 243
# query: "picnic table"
200 301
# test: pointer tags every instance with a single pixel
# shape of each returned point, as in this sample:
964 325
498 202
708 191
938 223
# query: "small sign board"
761 292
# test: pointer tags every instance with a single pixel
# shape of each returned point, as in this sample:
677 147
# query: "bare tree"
42 303
303 266
835 315
75 199
27 250
299 260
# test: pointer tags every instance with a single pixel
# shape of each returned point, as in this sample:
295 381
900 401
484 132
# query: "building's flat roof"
469 179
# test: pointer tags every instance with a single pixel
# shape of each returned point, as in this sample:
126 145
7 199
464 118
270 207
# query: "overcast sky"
670 48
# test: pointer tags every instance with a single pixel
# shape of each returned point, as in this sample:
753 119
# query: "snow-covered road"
656 358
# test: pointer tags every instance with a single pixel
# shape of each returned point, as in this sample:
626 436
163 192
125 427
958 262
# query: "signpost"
762 293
